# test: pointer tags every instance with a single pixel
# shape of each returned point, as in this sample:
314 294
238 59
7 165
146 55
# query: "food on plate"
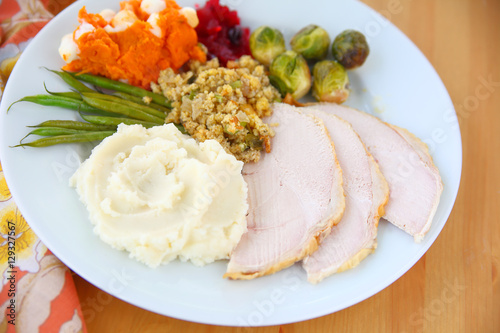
366 194
315 196
101 112
290 74
57 100
330 82
220 32
266 43
67 131
295 197
146 96
415 185
55 137
73 125
159 195
225 104
117 105
289 71
115 121
350 48
134 44
312 42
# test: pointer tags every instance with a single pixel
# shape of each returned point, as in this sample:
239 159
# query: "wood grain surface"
455 287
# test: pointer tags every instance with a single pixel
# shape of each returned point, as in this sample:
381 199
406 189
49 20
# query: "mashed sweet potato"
133 51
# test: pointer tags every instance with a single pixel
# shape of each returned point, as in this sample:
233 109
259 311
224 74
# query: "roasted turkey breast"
415 185
366 191
295 196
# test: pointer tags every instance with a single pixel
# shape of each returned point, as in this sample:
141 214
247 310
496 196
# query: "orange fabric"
25 32
41 286
63 305
9 7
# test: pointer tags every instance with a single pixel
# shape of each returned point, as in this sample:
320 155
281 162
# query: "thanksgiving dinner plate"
396 84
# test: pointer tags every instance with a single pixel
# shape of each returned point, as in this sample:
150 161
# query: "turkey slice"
295 196
366 191
414 182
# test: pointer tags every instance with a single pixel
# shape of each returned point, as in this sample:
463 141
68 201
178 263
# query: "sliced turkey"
295 196
366 191
414 182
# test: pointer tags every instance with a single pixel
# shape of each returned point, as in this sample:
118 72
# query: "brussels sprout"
266 43
330 83
350 48
289 73
312 42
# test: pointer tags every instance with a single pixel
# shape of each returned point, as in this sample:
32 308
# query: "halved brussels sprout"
330 83
312 42
266 43
289 73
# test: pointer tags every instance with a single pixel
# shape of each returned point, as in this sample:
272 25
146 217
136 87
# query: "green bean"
72 81
59 101
71 138
181 128
123 87
115 121
119 108
140 100
52 131
129 104
69 94
76 125
127 121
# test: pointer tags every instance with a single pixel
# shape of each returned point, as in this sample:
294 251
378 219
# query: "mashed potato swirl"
160 195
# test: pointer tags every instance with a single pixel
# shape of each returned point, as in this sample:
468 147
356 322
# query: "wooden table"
455 287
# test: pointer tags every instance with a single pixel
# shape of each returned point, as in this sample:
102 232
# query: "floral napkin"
37 292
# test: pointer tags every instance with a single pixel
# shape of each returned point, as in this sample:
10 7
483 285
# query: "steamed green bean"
52 131
115 121
76 125
123 87
72 81
70 138
128 104
59 101
140 100
121 109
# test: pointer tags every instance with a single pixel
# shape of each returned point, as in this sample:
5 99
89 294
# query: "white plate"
396 83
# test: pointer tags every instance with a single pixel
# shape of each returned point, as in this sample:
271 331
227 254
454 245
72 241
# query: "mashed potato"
160 195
